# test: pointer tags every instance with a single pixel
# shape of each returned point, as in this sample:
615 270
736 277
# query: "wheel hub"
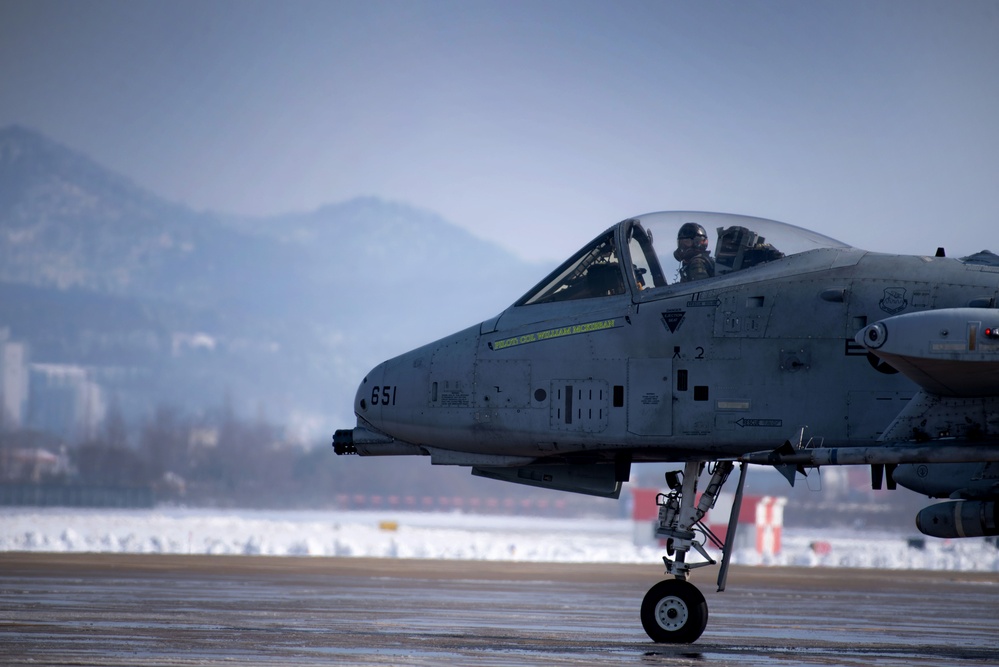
671 613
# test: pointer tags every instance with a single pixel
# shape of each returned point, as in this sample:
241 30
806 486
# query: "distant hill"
284 314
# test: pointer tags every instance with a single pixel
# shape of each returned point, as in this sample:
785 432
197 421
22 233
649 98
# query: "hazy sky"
534 124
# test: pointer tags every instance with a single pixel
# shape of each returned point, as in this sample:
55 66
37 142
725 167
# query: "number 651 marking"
383 395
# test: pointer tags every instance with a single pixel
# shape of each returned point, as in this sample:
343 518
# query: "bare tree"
99 463
165 442
114 431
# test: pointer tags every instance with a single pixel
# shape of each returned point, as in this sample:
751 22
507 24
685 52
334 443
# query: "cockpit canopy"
734 243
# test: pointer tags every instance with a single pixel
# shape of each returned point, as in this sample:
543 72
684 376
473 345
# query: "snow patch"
444 536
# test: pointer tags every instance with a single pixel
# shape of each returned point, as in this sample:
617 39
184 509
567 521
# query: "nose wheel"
674 612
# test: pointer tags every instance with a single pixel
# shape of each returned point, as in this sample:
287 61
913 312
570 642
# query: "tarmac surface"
97 609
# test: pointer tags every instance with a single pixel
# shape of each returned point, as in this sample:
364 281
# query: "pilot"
692 252
741 248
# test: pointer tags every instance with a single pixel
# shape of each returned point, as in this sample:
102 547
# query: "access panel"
649 397
580 405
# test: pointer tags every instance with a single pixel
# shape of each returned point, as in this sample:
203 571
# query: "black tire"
674 612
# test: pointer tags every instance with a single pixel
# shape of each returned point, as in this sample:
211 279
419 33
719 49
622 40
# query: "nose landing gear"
674 611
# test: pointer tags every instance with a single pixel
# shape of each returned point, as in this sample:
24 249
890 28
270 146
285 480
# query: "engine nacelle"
958 518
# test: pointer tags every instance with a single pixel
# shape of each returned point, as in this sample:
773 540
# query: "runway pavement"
90 609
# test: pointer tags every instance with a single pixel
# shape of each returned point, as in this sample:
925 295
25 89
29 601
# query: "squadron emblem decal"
894 300
673 319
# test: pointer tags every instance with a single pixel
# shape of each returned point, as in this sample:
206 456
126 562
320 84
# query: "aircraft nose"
395 400
344 439
373 393
391 395
377 403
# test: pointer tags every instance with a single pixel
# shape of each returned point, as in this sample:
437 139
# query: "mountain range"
161 304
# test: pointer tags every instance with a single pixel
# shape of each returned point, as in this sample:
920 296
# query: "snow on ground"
443 536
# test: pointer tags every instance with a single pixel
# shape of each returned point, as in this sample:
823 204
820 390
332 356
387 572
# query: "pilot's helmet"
733 244
731 239
692 234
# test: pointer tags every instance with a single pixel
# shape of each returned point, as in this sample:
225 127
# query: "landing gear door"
650 401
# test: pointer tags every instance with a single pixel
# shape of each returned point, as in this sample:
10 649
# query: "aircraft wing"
948 352
953 355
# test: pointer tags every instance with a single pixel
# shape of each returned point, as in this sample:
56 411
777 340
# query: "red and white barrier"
769 525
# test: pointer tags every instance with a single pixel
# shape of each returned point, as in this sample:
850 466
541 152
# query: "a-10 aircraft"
776 346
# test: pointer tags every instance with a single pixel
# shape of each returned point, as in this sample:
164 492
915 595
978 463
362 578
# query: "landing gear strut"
674 611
